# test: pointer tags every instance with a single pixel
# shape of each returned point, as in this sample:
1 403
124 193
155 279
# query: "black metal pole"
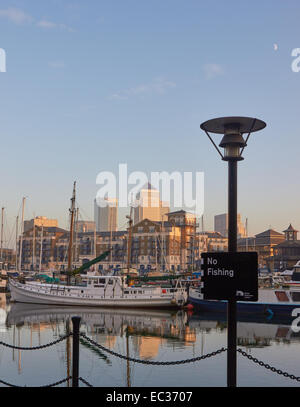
232 247
75 362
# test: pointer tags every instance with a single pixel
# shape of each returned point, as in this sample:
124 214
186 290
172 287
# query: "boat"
93 290
99 291
280 299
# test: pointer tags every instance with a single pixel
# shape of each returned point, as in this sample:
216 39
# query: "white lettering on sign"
220 272
212 261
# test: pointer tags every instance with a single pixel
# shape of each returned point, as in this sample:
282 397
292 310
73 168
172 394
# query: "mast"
2 221
193 244
22 231
162 245
41 247
95 246
72 213
155 236
17 221
246 234
33 246
76 235
130 222
110 221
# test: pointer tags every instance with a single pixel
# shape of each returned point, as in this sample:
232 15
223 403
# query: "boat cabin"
102 281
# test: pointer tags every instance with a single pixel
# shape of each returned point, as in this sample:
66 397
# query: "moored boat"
280 299
270 301
99 291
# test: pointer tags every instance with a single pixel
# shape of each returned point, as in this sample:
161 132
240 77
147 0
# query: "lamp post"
233 144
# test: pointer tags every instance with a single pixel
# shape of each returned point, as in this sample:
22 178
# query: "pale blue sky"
91 84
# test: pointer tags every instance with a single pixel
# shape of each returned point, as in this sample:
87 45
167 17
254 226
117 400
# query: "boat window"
281 296
126 292
110 282
101 280
295 295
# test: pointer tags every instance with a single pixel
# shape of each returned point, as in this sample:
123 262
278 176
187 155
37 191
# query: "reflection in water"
143 334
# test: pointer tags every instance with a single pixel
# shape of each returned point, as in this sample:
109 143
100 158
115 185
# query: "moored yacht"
281 299
99 291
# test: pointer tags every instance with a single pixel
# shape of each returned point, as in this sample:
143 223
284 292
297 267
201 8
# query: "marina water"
142 334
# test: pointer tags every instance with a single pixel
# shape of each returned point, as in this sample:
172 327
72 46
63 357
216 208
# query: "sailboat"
96 291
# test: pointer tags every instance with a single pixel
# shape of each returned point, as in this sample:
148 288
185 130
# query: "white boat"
98 291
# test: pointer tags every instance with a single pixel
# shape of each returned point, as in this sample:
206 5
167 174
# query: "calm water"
152 335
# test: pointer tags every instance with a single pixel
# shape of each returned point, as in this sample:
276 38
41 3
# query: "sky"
92 84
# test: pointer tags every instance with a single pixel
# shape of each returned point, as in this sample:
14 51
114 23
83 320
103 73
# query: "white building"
149 206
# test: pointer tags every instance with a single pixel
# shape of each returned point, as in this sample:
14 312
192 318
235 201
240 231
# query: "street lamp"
233 144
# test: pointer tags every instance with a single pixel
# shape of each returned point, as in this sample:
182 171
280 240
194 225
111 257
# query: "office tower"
221 225
106 217
149 206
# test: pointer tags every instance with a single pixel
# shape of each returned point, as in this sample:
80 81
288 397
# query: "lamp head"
232 142
232 129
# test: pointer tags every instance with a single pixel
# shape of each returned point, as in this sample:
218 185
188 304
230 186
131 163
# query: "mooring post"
75 361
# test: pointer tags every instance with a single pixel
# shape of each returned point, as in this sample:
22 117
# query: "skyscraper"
106 217
149 206
221 225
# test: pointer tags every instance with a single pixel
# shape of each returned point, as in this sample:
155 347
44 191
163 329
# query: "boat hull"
279 302
243 308
22 293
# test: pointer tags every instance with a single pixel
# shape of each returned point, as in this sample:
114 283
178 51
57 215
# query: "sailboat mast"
33 246
41 248
76 235
129 240
17 221
110 226
246 234
2 221
162 244
22 231
70 249
95 245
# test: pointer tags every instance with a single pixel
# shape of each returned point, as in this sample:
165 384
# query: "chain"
85 382
268 367
48 385
58 383
148 362
36 347
8 384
